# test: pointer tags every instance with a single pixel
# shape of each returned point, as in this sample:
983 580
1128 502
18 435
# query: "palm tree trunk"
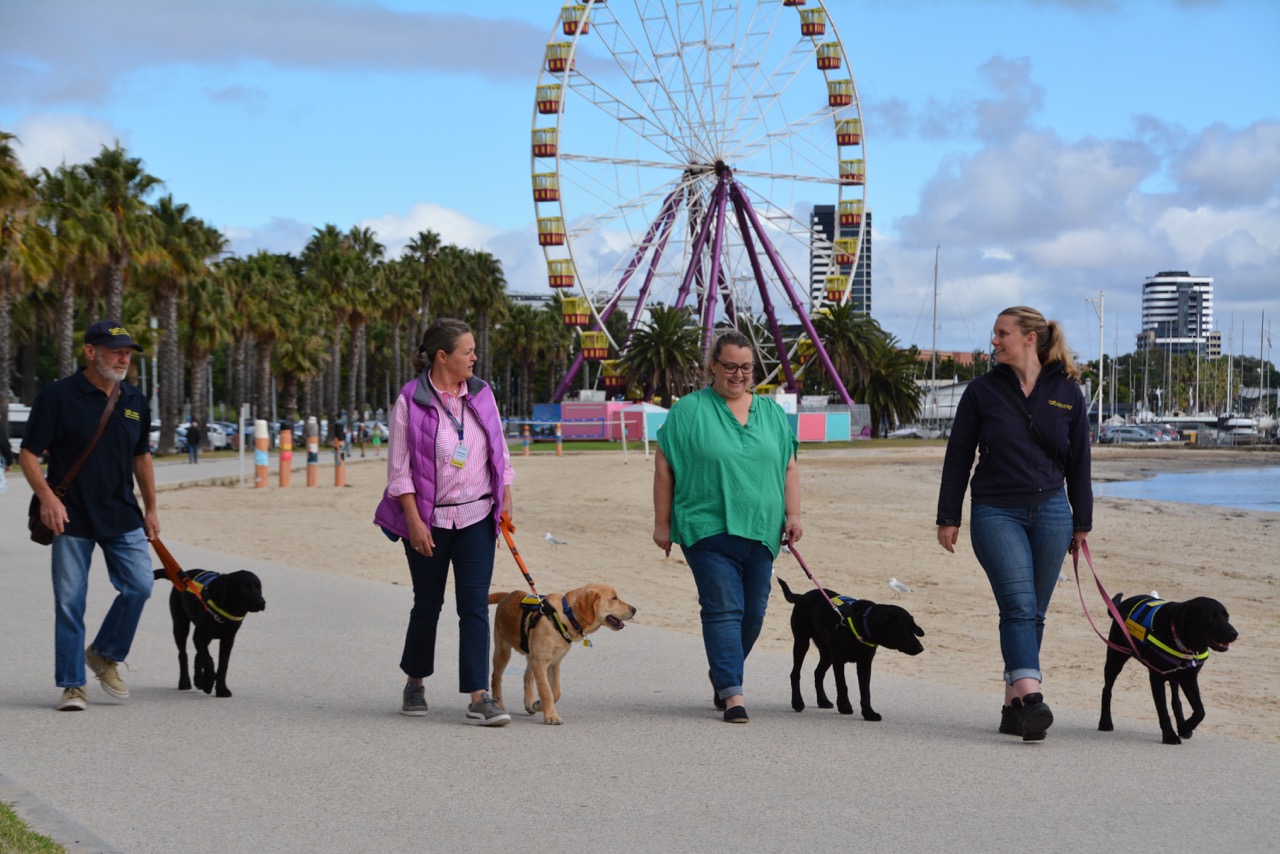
5 362
397 359
262 394
66 326
115 288
199 388
170 379
353 375
240 394
333 391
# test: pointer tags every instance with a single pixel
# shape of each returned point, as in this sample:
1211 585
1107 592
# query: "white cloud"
52 139
394 230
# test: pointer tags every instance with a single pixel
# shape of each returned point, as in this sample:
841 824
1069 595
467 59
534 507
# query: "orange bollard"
313 452
559 441
261 458
526 440
339 462
286 457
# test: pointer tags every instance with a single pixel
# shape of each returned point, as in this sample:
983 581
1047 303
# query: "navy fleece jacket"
1013 469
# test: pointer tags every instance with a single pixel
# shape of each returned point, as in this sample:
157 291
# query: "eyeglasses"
735 369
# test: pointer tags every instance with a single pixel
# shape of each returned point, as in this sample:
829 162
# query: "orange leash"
171 568
508 529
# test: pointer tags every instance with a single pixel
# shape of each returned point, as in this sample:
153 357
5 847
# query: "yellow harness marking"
1138 631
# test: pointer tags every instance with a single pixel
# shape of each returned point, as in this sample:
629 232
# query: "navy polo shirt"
100 501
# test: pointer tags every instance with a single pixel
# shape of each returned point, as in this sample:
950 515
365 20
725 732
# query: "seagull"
898 587
555 541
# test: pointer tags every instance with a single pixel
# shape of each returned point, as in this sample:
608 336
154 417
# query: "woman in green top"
726 489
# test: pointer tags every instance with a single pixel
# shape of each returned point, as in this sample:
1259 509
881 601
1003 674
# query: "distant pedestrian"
1030 418
194 438
99 507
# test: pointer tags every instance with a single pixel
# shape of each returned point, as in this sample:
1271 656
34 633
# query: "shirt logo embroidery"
1060 405
132 416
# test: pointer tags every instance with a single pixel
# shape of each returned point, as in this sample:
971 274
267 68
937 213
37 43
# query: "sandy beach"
868 515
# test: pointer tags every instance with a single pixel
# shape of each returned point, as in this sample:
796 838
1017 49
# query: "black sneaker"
1036 717
1011 718
415 700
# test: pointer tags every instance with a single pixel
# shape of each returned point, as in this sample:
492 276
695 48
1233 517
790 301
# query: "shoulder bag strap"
61 489
1020 407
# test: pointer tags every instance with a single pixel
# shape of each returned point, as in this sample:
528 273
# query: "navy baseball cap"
109 333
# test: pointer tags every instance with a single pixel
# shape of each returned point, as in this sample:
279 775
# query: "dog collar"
573 621
220 612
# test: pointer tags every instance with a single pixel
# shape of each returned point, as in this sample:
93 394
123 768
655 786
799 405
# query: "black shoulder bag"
1020 406
40 532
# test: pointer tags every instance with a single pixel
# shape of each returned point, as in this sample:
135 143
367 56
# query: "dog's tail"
786 592
495 598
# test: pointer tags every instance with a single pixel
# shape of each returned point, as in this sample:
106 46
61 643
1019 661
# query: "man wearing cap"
98 509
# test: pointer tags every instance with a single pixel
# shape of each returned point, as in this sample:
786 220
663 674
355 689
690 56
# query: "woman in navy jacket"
1023 523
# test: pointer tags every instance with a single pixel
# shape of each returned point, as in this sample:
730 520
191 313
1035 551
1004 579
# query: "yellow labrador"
537 636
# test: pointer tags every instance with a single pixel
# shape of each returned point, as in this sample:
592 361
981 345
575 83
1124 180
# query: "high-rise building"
822 239
822 259
1177 314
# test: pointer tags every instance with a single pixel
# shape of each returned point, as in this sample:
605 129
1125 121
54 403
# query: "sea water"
1243 488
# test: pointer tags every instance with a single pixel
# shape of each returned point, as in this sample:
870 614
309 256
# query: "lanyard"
457 423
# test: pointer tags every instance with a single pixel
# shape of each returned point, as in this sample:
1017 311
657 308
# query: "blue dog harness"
1139 624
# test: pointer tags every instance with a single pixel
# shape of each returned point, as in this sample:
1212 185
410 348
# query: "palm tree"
665 354
79 247
301 350
850 338
891 391
423 250
121 184
364 252
206 327
486 290
23 251
402 301
183 247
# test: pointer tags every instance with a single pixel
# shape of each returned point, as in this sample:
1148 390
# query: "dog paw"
552 721
825 704
1170 738
845 709
1186 733
1107 726
872 716
798 706
224 692
184 685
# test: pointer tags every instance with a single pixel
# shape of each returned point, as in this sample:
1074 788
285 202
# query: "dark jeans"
471 551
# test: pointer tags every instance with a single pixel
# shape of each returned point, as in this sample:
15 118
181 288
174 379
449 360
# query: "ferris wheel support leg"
569 377
695 253
770 315
781 271
710 292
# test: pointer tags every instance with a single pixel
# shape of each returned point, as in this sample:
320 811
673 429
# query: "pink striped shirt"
463 489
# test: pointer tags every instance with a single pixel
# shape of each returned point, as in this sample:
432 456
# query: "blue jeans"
129 568
1021 549
471 550
734 577
193 453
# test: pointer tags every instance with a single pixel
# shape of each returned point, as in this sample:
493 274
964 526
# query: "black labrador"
1174 639
216 613
853 635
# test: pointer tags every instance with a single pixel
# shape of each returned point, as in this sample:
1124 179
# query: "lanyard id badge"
460 453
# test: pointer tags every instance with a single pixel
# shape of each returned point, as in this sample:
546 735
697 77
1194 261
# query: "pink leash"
1111 607
805 567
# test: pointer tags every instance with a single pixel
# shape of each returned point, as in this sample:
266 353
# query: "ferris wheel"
679 150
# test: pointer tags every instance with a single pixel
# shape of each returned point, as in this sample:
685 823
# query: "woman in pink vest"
448 481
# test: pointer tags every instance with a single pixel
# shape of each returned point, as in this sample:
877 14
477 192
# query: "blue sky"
1053 148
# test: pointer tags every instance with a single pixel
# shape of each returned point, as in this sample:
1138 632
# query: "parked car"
1127 433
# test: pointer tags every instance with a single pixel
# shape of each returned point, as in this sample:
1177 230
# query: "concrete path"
311 755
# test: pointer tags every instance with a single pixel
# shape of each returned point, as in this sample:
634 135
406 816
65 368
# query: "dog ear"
588 606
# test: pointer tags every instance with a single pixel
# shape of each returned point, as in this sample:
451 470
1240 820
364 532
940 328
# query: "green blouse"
729 478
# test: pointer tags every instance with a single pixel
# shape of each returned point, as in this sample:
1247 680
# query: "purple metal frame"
727 192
